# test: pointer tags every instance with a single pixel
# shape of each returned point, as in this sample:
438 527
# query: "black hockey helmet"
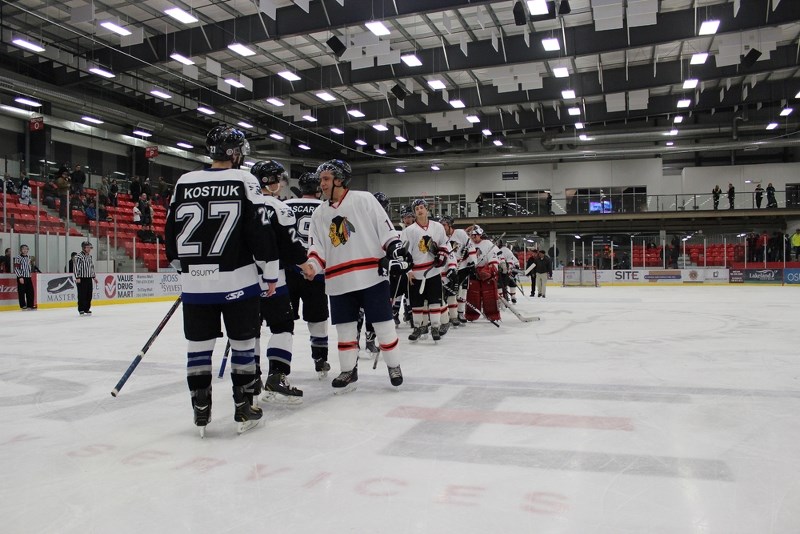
419 202
268 172
448 220
308 183
341 170
382 199
405 211
227 144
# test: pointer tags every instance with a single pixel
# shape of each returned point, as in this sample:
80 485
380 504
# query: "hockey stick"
224 359
127 374
467 303
516 312
424 279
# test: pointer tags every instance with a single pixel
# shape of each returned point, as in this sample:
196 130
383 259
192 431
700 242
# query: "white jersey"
417 238
507 259
347 240
463 248
486 253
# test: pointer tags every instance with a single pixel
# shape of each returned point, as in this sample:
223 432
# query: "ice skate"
462 319
435 333
322 367
277 390
444 328
396 375
417 333
201 404
455 323
345 382
245 414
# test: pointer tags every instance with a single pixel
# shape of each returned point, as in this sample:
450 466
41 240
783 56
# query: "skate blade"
202 430
347 389
244 426
322 374
275 398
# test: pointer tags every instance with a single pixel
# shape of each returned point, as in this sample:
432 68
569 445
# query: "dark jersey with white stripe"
219 230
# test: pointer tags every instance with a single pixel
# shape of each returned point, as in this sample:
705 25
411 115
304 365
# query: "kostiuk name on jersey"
211 190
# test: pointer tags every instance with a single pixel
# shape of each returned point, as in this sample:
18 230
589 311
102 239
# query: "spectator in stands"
5 263
675 251
78 179
91 212
146 209
162 190
548 203
795 242
23 270
759 193
62 183
479 202
49 193
137 214
775 247
147 188
752 242
8 185
761 246
102 207
70 266
113 191
715 194
136 189
731 196
504 207
102 190
147 235
25 190
771 202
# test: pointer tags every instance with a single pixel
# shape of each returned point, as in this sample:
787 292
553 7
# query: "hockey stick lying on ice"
466 302
516 312
224 359
127 374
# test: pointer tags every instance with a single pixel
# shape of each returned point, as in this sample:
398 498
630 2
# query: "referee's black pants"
25 292
85 288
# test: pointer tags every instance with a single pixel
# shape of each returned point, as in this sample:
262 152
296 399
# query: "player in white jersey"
508 264
482 289
401 290
276 310
429 248
464 253
311 292
352 241
218 237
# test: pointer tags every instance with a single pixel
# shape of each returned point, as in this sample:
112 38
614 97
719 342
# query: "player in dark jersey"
218 237
311 292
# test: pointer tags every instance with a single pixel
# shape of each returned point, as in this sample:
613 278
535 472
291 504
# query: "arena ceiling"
493 81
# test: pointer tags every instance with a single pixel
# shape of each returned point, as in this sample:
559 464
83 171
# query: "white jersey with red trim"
347 240
507 259
486 253
417 239
463 248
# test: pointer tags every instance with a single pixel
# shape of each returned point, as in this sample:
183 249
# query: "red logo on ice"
110 286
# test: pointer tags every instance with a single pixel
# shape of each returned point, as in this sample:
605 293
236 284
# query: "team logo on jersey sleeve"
340 230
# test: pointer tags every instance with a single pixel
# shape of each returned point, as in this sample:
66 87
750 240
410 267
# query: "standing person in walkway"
22 270
771 202
731 196
85 278
759 196
715 194
544 270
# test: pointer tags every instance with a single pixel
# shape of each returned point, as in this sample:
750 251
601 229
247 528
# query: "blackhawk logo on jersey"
340 230
423 244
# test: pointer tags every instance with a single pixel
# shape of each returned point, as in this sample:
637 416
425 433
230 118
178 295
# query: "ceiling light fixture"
180 15
28 102
234 83
337 131
326 96
142 133
27 45
684 103
436 84
678 119
378 28
241 49
699 58
673 132
435 168
187 146
244 124
276 136
497 142
310 118
473 119
772 125
411 60
691 83
16 110
560 72
381 127
400 169
380 151
276 102
574 111
206 111
102 72
116 28
181 58
584 137
160 94
457 104
91 120
418 148
355 113
797 95
670 143
288 75
785 112
487 132
303 146
537 7
401 139
709 27
361 142
568 94
579 126
551 44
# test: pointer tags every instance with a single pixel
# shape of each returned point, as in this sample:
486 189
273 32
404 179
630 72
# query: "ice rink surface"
624 410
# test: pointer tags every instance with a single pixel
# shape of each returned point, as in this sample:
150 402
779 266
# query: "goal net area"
580 277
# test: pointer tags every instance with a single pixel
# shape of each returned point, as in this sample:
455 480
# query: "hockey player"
508 264
311 292
482 289
217 236
351 241
406 220
427 243
464 252
276 310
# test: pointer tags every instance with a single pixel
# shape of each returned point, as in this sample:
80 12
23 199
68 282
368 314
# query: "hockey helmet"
448 220
382 199
405 211
476 230
308 183
340 169
227 144
419 202
268 172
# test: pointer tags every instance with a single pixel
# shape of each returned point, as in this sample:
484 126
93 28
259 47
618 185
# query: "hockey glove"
441 259
395 255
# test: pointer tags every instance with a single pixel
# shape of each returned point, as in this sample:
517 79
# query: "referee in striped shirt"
85 278
22 270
